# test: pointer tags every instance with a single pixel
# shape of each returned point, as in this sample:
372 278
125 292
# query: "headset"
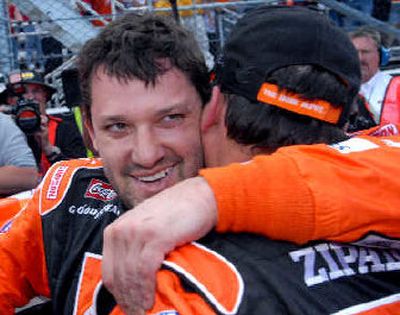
384 55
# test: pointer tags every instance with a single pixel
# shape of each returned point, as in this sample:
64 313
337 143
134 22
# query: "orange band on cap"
319 109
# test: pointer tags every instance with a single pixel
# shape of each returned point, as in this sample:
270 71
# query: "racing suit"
257 196
53 248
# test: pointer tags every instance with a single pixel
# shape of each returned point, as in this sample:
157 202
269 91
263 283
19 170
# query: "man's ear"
213 110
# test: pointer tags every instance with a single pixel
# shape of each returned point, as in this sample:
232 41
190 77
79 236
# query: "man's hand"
42 135
136 243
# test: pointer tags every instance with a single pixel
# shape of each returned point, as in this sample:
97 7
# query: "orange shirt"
303 193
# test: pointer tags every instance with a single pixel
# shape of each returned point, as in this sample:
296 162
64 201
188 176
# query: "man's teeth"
154 177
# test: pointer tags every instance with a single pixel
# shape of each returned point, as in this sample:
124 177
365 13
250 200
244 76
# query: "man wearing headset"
380 91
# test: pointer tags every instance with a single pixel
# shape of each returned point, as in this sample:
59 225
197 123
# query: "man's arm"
15 179
18 169
298 194
145 233
23 272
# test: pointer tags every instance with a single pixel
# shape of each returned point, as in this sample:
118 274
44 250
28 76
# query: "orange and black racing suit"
53 248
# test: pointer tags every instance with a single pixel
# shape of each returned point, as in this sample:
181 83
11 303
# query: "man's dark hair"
262 125
142 47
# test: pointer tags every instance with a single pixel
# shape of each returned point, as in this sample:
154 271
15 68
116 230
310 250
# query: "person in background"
18 170
380 91
56 138
192 19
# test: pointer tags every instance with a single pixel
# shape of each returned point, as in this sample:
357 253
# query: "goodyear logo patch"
169 312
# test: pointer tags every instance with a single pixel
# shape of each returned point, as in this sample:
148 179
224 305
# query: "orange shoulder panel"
57 180
11 205
209 272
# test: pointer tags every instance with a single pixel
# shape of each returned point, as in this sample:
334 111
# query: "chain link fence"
46 35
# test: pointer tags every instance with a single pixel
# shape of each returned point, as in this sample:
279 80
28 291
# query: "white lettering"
310 278
369 257
336 261
344 259
55 182
288 99
334 271
313 107
95 213
270 93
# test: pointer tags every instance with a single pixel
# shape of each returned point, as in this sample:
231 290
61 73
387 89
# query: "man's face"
148 136
369 57
35 92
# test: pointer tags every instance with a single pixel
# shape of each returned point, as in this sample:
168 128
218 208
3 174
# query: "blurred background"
45 35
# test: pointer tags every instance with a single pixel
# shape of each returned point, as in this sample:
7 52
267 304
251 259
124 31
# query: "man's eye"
116 127
173 118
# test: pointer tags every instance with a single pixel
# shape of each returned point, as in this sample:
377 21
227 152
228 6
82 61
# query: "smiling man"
144 84
157 145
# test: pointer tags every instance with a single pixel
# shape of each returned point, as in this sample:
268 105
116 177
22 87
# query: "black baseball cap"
16 78
271 37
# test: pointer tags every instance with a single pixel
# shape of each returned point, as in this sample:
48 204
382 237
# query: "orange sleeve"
23 272
304 193
170 295
207 274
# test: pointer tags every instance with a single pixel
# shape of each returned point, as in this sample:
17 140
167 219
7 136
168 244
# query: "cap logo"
27 75
21 76
15 78
318 109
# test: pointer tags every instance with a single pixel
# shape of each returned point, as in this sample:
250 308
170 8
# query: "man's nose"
147 149
28 95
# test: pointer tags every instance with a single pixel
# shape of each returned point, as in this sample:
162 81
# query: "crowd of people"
236 191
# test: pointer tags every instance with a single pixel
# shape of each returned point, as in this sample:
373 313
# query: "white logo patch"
55 182
354 145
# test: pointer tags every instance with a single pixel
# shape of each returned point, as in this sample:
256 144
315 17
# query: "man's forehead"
170 92
363 41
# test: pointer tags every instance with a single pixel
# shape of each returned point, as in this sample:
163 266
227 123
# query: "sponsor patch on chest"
100 190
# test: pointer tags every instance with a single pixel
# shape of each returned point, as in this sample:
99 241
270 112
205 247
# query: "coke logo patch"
100 191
